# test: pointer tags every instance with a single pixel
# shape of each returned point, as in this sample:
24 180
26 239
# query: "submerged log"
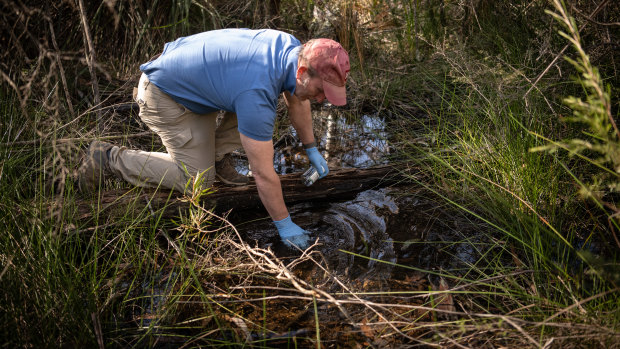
340 184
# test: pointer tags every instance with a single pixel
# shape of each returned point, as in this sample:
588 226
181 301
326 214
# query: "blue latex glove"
317 161
292 234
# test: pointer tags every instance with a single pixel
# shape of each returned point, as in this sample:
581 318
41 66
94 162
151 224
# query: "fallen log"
340 184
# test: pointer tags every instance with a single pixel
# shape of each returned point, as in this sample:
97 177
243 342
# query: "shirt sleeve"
256 113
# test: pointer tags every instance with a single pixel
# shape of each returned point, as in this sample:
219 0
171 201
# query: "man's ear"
301 70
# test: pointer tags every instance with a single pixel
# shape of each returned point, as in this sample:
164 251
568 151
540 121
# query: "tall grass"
476 152
101 278
77 272
601 150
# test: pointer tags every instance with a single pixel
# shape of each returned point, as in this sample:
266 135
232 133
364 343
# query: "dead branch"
89 52
598 8
61 68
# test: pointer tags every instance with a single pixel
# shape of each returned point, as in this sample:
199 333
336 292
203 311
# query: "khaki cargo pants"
193 142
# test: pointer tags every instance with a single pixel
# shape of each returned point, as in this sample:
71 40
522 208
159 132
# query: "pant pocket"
171 136
180 138
167 118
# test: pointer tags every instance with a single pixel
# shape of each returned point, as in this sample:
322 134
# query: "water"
363 241
360 226
380 229
358 144
153 293
344 143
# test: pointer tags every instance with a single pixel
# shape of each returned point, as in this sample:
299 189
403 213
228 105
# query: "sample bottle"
310 176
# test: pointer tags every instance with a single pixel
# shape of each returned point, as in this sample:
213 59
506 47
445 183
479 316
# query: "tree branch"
89 52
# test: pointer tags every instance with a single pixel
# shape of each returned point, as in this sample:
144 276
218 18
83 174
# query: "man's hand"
318 161
291 234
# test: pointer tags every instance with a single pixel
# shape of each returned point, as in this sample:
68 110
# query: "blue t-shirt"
237 70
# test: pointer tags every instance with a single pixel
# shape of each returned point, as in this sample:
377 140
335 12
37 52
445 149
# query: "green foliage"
474 152
601 148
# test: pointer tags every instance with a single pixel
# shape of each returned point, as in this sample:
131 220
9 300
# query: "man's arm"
260 155
300 116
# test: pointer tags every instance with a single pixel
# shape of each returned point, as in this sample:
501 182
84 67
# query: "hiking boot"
94 166
225 172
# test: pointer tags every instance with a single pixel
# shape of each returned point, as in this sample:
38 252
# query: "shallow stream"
367 237
345 143
378 241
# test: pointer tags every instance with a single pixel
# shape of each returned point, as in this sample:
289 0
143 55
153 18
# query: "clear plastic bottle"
310 176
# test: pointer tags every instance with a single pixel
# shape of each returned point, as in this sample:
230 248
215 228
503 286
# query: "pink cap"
331 61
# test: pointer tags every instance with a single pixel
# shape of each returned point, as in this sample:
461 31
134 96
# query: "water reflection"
354 143
344 141
359 226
